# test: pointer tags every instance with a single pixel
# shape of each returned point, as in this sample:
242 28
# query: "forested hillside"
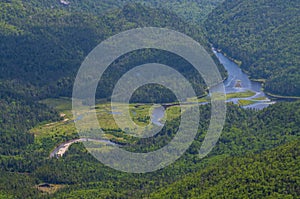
45 47
18 113
194 11
271 174
264 36
43 43
42 48
241 163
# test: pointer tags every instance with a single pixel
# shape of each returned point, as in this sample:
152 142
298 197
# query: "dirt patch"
49 188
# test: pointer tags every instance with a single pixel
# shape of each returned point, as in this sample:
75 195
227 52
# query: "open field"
260 98
245 102
65 128
240 95
140 114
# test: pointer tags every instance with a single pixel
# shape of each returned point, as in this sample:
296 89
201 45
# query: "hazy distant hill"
192 10
264 35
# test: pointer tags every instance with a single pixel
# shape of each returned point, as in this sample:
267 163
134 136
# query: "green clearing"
65 128
106 112
199 100
140 114
245 102
260 98
240 95
245 94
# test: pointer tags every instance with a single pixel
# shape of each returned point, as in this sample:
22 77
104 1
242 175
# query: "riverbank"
236 61
249 93
261 81
282 97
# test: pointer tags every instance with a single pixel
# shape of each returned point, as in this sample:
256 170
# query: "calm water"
235 74
157 114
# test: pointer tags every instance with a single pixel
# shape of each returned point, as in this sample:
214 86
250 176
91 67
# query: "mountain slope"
264 35
45 47
245 133
272 174
42 49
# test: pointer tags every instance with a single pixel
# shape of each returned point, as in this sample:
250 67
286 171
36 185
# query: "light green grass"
240 95
245 102
173 112
220 96
199 100
260 98
140 114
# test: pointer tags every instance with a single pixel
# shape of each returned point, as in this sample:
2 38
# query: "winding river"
235 74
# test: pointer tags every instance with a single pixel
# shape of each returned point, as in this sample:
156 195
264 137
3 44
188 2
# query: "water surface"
235 76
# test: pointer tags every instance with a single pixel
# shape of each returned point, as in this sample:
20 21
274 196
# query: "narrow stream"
157 114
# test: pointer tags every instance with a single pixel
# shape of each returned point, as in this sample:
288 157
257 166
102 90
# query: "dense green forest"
42 49
45 47
19 113
264 36
43 43
194 11
270 174
257 155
